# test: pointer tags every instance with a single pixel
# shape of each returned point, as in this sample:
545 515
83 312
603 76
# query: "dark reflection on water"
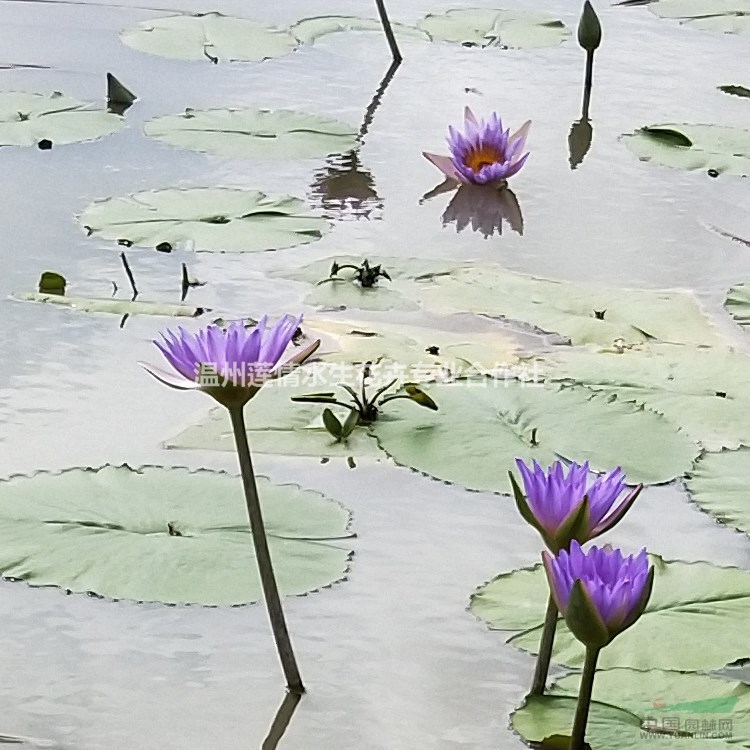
581 132
281 721
343 188
483 208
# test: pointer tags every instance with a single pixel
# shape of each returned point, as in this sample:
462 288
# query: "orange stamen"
482 157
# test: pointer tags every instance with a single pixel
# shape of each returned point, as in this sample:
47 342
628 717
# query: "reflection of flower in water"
343 189
484 208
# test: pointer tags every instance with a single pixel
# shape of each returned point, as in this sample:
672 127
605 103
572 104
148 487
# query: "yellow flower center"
483 157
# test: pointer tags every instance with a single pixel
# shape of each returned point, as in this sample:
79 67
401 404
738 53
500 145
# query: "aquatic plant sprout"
485 153
600 593
231 366
562 507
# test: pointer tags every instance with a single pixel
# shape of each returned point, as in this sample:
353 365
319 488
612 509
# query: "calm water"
391 657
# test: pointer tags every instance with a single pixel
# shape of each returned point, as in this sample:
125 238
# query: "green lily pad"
51 119
484 424
706 604
114 306
398 293
737 304
415 354
309 30
725 16
703 390
485 27
166 535
254 133
276 424
218 219
630 707
209 36
718 483
586 314
724 150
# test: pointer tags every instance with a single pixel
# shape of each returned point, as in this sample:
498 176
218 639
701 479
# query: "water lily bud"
589 28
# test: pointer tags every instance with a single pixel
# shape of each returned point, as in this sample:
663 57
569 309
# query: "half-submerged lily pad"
719 485
737 304
586 314
630 707
165 535
725 16
703 390
218 219
721 150
276 424
309 30
45 120
484 424
485 27
114 306
254 133
706 604
209 36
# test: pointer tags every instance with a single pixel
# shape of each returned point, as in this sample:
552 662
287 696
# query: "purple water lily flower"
563 508
231 365
484 154
600 593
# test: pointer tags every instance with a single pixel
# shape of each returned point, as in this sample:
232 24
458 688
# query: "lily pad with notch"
309 30
707 604
169 535
703 148
484 424
254 133
630 706
46 120
487 27
214 219
724 16
210 37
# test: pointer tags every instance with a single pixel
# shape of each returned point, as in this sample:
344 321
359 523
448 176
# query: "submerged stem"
263 555
545 649
584 700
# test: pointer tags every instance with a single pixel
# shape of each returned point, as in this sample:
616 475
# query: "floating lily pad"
209 36
165 535
721 149
725 16
256 133
114 306
704 390
484 424
279 425
412 353
586 314
706 604
719 485
398 293
631 707
309 30
737 304
219 219
485 27
45 120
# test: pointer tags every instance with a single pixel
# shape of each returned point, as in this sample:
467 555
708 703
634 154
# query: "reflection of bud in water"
579 141
484 208
343 188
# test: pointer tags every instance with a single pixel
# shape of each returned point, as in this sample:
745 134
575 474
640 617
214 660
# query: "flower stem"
545 649
584 700
389 35
263 556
